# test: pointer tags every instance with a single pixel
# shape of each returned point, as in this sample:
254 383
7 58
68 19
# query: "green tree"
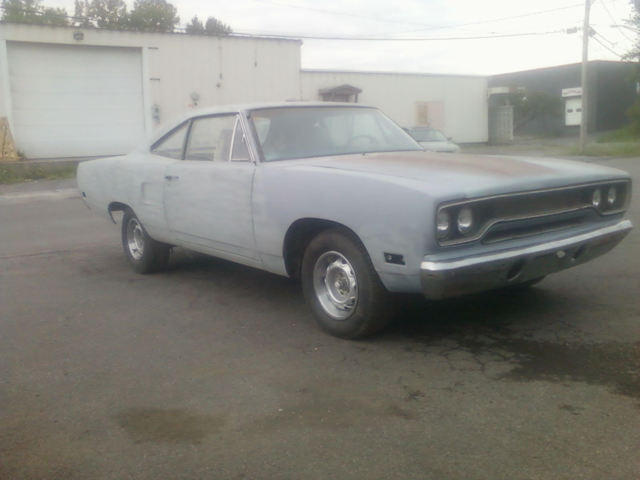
153 16
111 14
633 112
195 27
213 26
20 11
81 14
32 11
634 22
54 16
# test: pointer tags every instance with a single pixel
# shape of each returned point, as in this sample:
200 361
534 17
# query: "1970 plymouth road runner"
341 197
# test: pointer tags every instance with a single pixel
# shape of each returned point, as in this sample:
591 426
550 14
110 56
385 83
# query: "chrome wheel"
144 254
335 285
135 238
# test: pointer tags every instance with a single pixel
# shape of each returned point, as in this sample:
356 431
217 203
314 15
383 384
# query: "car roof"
245 107
235 108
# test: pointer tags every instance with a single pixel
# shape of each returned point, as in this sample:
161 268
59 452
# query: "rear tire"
342 288
144 254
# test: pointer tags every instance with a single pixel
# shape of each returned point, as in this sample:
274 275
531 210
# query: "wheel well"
298 237
116 207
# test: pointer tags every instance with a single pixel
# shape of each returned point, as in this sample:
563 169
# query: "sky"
448 30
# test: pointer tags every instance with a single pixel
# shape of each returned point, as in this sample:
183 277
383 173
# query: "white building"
455 104
80 92
85 92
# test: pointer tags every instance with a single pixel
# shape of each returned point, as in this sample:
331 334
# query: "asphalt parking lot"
214 370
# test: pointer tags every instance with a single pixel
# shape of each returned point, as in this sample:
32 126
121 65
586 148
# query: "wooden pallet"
8 152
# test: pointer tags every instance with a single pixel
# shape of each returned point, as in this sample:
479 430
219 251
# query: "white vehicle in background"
433 140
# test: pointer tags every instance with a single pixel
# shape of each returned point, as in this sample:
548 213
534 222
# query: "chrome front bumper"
460 276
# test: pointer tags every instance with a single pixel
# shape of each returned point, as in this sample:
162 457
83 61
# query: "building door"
501 124
72 100
431 114
573 111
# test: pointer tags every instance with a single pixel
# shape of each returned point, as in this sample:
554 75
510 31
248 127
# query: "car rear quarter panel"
136 180
96 181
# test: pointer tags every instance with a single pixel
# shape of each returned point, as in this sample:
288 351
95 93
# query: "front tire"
342 288
144 254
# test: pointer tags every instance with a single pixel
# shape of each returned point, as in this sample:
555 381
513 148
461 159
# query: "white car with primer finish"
432 140
341 197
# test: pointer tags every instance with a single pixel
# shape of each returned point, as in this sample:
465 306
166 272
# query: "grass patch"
624 134
16 173
609 149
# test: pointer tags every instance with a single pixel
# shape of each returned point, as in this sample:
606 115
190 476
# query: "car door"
207 195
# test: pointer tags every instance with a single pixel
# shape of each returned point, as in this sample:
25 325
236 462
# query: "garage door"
71 101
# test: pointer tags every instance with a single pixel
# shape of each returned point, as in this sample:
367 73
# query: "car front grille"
503 217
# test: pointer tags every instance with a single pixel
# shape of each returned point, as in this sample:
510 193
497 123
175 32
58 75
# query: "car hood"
459 175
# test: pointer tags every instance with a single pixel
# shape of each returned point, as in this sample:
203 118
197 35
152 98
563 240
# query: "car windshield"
428 135
302 132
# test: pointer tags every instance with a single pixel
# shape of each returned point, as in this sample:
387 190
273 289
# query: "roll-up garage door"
75 101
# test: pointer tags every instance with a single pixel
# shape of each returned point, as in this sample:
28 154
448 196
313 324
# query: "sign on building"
572 92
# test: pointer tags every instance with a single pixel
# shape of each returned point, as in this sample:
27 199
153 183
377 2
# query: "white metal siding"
72 100
221 71
464 114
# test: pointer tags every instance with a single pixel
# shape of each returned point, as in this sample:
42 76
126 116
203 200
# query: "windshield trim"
358 154
333 106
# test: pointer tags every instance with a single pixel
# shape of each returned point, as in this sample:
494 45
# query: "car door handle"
171 177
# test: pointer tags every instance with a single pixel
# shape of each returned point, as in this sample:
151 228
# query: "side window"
262 125
210 138
240 152
171 146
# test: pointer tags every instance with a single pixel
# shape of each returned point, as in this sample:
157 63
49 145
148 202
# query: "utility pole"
586 31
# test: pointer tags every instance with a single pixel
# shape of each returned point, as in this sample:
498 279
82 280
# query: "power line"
500 19
607 48
612 44
78 19
406 39
340 38
330 37
604 5
613 20
595 37
427 27
341 13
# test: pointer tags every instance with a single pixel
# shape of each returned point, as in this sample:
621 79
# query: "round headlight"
443 224
612 196
596 198
465 220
